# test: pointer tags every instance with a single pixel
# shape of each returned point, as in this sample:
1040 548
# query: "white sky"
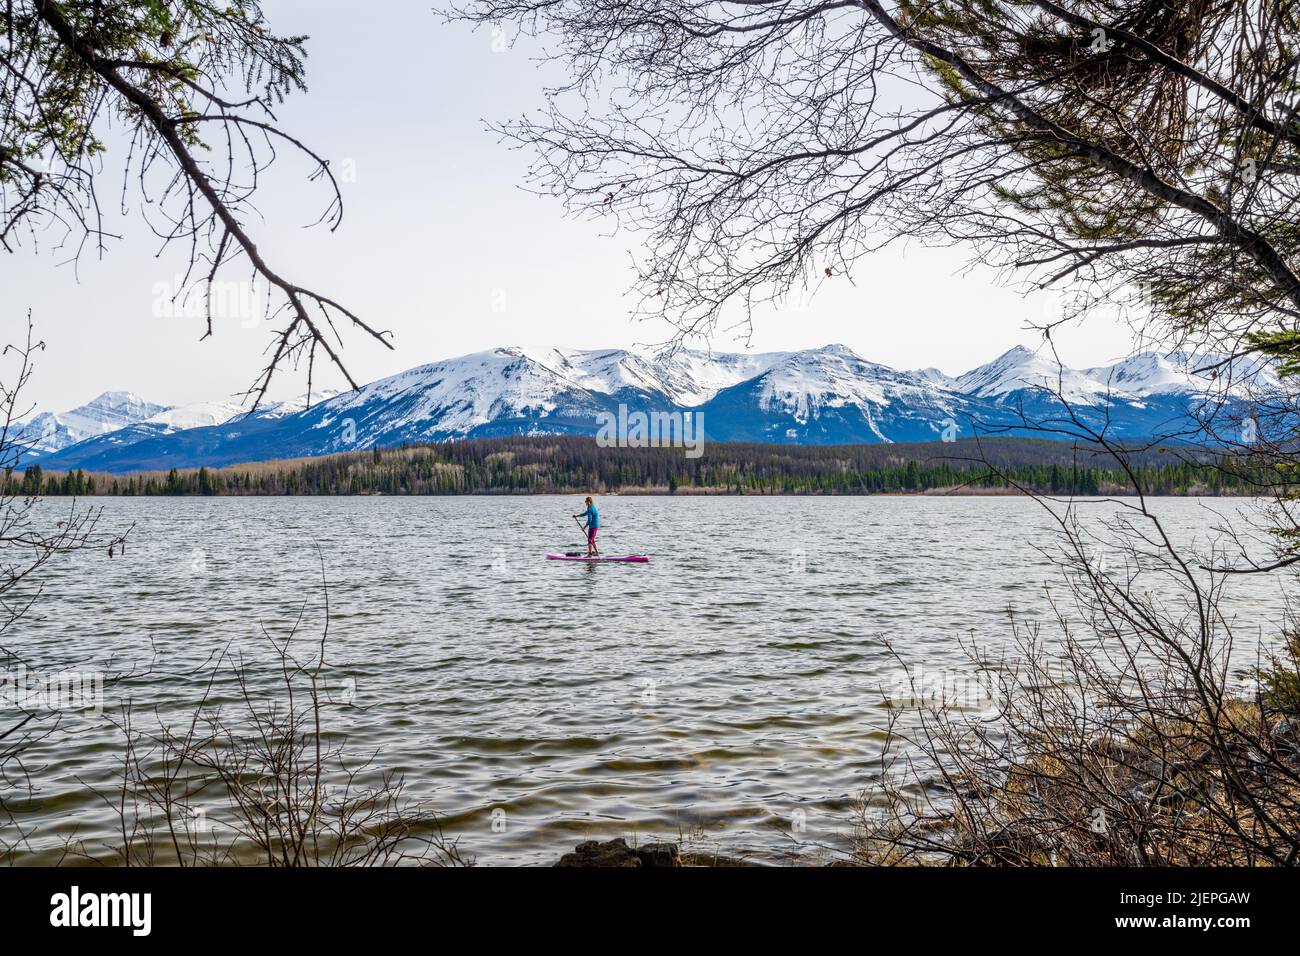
440 245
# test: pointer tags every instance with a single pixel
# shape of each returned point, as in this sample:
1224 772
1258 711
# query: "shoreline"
680 492
558 465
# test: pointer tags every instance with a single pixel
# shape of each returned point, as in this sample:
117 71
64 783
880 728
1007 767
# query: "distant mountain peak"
1019 369
49 432
835 348
114 399
932 376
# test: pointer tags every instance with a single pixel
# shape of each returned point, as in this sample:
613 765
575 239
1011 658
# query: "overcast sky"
440 244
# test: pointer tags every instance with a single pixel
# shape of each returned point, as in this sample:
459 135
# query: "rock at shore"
616 852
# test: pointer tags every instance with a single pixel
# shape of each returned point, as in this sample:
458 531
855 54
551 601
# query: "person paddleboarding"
593 554
593 525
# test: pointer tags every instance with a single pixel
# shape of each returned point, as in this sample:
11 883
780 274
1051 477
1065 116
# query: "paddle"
577 554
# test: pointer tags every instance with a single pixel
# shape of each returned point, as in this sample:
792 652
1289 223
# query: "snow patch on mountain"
203 414
299 403
197 415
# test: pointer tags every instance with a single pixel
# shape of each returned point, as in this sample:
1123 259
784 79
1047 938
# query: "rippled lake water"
726 690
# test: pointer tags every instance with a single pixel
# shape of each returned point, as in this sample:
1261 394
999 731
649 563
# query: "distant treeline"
545 465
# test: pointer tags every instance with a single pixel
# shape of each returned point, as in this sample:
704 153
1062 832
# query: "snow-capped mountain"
1135 378
828 395
831 395
1148 373
48 432
1020 369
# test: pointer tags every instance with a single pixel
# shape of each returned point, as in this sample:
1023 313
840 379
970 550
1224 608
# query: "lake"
729 691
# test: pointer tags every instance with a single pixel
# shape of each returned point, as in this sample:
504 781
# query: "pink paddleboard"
626 558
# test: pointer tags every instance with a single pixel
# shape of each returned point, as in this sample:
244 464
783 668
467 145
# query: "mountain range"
827 395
